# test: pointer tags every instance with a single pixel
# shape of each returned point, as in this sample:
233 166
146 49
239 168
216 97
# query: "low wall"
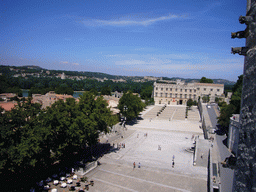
88 167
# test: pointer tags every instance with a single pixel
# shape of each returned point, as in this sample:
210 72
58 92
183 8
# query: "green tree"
146 92
224 119
130 105
190 102
106 90
205 80
206 99
20 137
234 106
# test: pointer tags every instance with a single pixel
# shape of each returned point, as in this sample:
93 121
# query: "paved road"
212 114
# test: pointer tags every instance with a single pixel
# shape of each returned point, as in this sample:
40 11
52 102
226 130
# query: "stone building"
179 93
245 171
233 133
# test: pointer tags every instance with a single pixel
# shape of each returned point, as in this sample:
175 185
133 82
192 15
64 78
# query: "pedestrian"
124 145
139 165
138 135
202 156
173 157
134 165
146 134
172 164
113 145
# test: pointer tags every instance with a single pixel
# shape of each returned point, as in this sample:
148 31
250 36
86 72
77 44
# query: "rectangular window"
176 95
180 90
194 96
161 94
211 89
170 89
165 94
156 88
190 90
180 95
204 89
189 96
185 90
185 96
161 89
176 89
194 90
218 90
198 89
156 94
166 89
170 94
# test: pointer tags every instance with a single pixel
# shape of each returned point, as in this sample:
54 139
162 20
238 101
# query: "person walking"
173 164
139 165
134 165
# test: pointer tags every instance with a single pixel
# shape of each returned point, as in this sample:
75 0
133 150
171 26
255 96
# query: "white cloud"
64 62
129 22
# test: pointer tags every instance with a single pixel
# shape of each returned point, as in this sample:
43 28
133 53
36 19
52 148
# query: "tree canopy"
31 136
130 105
234 106
205 80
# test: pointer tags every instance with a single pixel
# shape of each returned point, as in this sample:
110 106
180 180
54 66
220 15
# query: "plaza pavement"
115 172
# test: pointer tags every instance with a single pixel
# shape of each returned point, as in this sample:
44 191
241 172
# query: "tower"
245 171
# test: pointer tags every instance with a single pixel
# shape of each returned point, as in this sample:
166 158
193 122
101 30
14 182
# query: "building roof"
209 84
7 106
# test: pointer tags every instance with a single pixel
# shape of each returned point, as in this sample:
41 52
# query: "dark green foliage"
224 118
205 80
190 102
234 106
130 105
106 90
64 90
206 99
30 136
146 93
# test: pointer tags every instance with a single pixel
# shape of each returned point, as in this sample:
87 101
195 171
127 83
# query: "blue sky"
187 39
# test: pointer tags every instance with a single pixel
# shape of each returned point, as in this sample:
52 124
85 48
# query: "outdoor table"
73 188
63 185
74 177
54 190
62 178
69 181
55 182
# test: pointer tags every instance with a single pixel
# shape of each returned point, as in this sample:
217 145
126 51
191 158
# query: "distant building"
49 98
7 96
63 76
8 106
179 92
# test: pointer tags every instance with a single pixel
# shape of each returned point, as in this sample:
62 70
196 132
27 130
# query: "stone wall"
245 173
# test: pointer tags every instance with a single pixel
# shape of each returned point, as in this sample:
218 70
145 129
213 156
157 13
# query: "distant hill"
8 70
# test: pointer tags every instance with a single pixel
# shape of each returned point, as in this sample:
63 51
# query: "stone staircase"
193 114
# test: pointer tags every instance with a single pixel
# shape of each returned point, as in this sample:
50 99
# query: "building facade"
233 134
180 92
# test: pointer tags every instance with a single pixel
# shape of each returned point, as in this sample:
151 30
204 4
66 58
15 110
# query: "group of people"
134 165
119 145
